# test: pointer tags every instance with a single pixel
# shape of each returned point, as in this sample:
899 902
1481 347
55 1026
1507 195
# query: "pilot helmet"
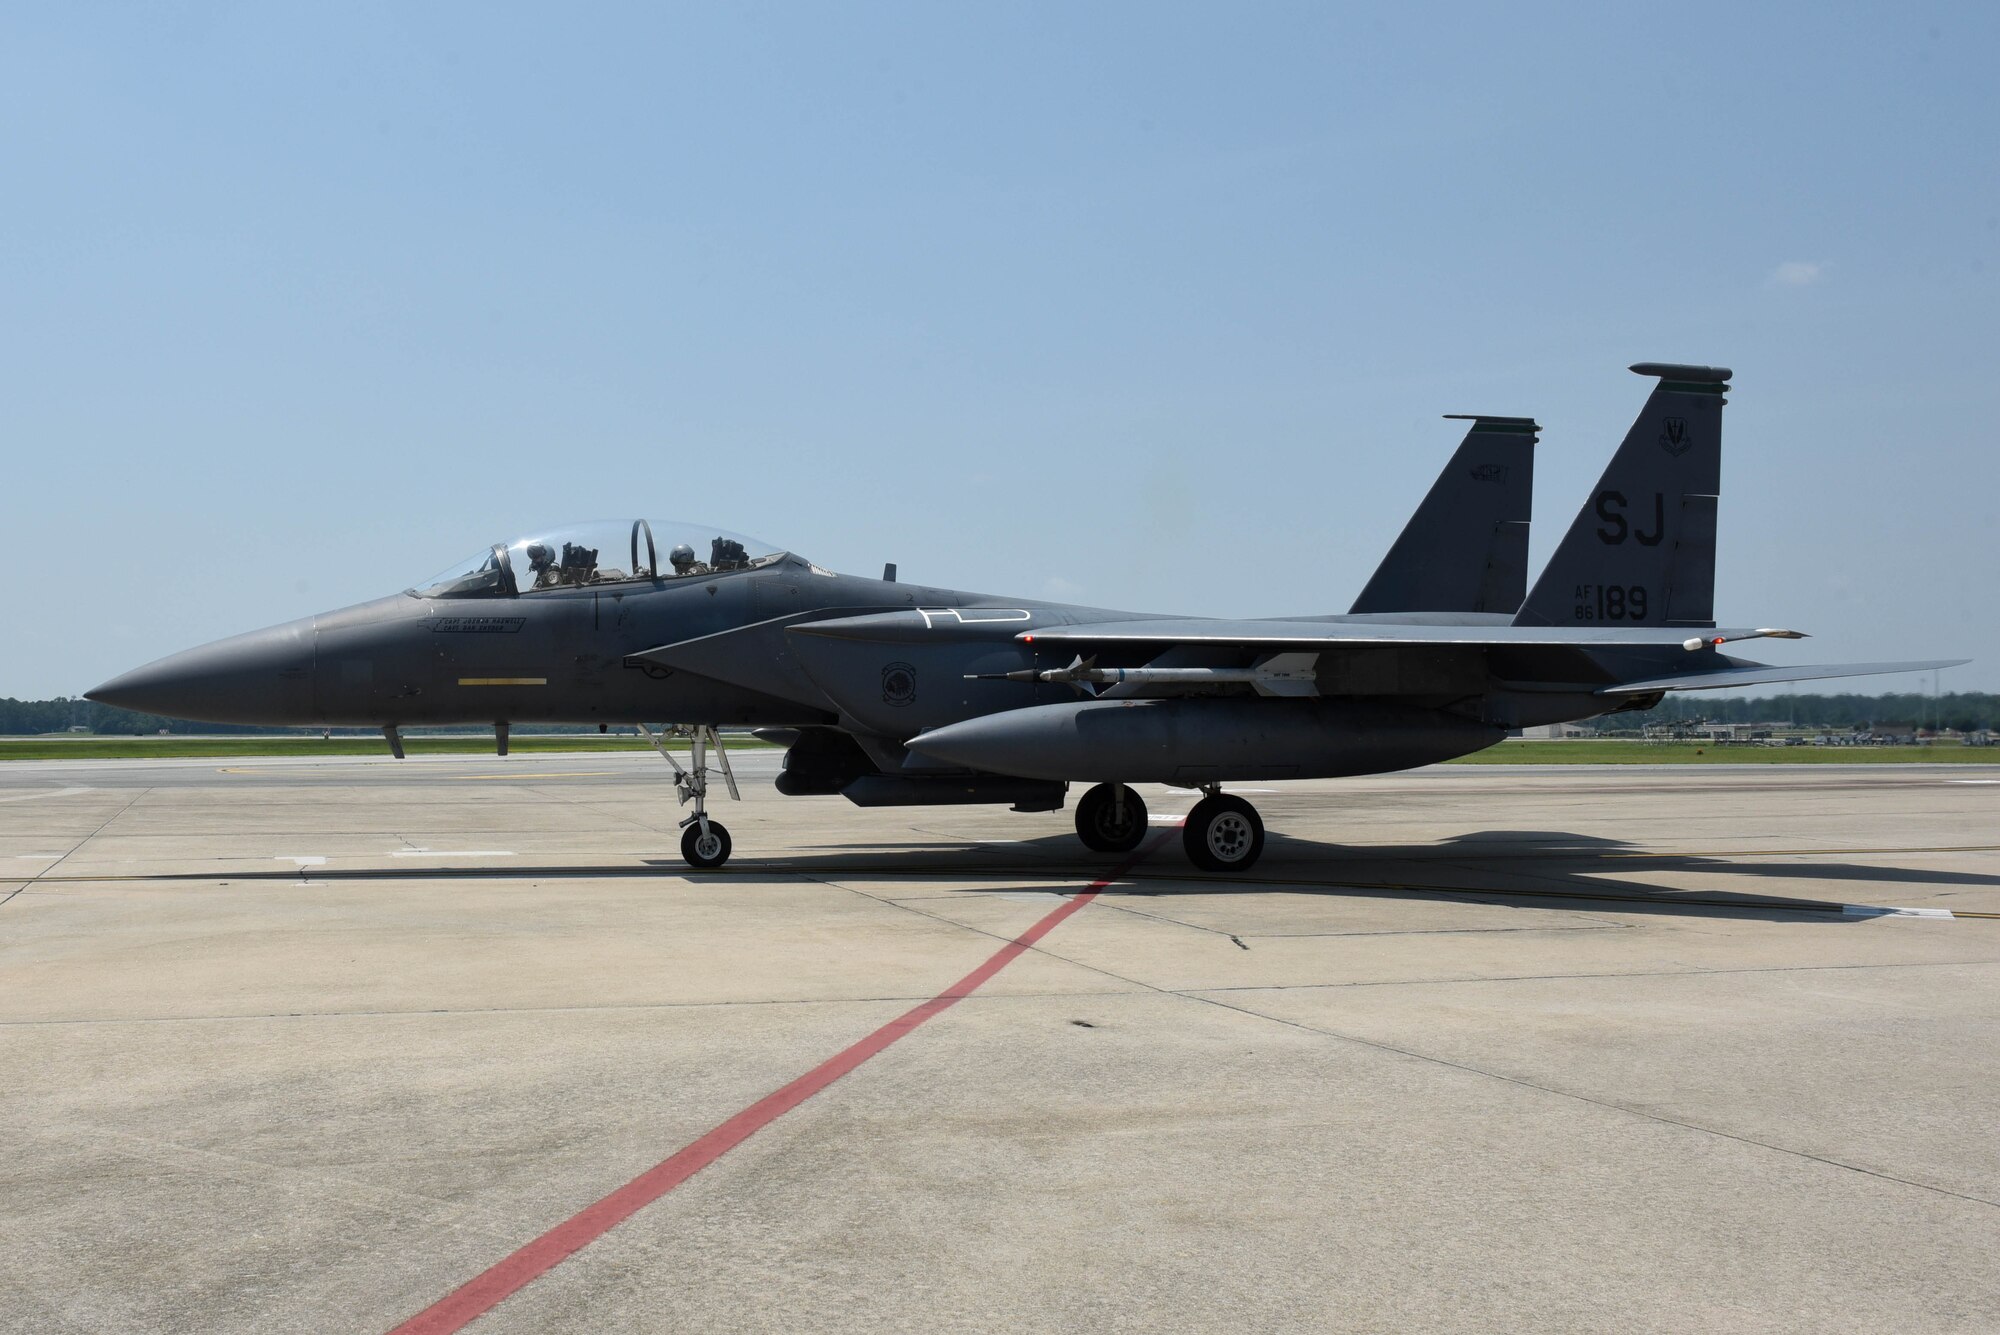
681 556
538 555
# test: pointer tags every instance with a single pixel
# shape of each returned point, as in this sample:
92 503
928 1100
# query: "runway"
312 1044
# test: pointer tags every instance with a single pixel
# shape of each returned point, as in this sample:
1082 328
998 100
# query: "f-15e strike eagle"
893 694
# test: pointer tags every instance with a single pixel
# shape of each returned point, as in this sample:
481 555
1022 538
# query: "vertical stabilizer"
1466 547
1642 549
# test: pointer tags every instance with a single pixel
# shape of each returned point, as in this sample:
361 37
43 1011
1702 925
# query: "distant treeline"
1964 711
27 718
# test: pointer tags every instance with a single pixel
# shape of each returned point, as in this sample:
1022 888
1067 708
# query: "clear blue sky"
1145 305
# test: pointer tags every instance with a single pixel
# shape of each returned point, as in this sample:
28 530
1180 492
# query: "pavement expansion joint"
1606 975
1584 924
1662 899
82 843
607 1008
1610 1104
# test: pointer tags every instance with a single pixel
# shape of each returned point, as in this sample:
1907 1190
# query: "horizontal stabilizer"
1758 674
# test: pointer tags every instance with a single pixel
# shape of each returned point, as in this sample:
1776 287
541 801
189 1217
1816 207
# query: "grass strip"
1620 751
167 748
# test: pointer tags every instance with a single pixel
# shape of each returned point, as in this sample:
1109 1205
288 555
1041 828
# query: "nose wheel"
704 842
1223 833
1111 818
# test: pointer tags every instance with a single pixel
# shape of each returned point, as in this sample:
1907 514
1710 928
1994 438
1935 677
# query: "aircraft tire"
1223 834
1097 822
705 853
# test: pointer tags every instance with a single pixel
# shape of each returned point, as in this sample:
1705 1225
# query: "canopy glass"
602 552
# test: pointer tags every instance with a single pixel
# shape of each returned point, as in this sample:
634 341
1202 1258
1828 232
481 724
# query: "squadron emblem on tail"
1674 438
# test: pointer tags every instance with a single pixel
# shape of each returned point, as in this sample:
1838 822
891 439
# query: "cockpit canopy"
602 552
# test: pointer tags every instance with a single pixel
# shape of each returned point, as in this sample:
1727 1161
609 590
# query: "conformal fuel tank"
1189 741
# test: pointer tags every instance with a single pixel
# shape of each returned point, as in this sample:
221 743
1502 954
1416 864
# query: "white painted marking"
452 853
1876 911
541 774
1972 780
1166 820
303 862
53 792
975 616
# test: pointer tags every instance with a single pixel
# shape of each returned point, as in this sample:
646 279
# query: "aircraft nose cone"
263 677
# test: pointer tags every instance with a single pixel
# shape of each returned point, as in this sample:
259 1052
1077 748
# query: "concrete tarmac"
304 1045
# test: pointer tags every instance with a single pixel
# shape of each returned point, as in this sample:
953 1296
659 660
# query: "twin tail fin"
1466 547
1641 552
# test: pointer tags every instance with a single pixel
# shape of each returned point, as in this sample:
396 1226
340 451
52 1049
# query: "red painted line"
485 1291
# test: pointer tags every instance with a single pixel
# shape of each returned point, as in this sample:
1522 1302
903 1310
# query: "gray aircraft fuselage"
734 648
560 655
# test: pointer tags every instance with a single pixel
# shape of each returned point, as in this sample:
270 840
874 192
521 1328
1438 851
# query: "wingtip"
1682 371
1513 426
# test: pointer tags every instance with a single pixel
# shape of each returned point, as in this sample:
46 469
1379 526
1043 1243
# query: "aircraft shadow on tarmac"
1522 868
1519 868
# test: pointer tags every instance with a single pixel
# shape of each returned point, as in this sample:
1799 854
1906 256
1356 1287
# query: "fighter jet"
892 694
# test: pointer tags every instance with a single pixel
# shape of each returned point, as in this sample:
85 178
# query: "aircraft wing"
1277 635
1664 646
1179 654
1758 674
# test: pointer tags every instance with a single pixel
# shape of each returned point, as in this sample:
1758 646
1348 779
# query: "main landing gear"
1111 818
704 842
1223 833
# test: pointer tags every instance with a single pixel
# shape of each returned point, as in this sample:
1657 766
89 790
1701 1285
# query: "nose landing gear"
704 842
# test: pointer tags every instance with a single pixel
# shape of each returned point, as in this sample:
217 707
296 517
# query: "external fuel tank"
1193 740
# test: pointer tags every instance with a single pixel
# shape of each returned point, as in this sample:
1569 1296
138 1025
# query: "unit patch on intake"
899 684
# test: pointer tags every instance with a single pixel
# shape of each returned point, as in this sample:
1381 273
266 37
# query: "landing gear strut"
1222 833
1111 818
704 842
